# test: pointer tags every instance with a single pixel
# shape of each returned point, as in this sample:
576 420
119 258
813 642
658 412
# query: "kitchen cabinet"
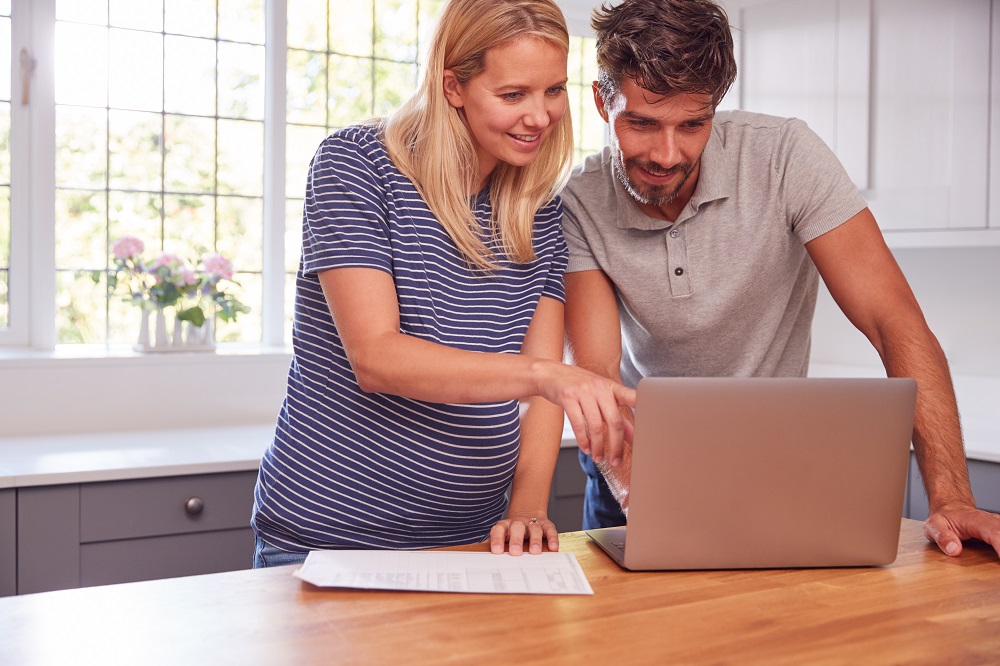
900 90
78 535
566 495
984 476
8 547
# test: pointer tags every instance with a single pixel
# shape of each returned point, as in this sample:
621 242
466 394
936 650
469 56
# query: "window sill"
90 355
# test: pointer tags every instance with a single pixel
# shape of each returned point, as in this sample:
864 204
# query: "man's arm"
594 342
869 287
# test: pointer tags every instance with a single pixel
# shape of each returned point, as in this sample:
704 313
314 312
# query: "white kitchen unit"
900 90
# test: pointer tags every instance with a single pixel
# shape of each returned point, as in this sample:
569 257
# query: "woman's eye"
556 90
512 96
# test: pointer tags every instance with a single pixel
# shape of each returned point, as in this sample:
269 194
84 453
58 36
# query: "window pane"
136 70
4 232
242 20
4 299
134 143
350 90
4 143
190 17
81 316
5 59
306 87
241 163
140 15
81 147
396 29
241 81
83 11
81 65
80 223
351 27
429 11
240 231
307 24
135 214
300 144
189 159
5 7
188 226
249 289
394 82
293 234
189 76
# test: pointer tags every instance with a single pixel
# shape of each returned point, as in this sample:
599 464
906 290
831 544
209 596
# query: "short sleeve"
580 255
345 216
551 246
819 195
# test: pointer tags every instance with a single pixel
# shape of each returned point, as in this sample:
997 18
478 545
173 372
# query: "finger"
551 535
535 535
624 395
596 430
936 529
498 537
579 425
516 542
614 429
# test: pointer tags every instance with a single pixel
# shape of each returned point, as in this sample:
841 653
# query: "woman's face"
512 106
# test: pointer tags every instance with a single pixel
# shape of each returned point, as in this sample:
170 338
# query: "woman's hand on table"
511 533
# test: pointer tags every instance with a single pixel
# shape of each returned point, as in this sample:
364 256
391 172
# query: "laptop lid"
732 473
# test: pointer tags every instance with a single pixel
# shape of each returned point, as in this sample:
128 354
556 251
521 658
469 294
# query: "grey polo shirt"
728 289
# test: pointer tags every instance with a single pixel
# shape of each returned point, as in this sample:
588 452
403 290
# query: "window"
5 162
164 126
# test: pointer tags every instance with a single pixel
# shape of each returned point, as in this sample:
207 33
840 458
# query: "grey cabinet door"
566 496
983 476
8 542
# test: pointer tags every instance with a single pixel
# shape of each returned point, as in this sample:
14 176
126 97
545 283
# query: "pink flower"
127 247
166 260
218 266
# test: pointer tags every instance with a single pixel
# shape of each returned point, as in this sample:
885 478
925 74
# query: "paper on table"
444 571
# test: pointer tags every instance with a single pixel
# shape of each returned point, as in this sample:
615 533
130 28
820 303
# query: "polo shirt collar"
712 185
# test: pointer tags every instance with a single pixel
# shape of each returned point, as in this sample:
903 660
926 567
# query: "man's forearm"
937 433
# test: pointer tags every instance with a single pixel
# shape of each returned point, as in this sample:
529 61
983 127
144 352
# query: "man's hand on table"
949 526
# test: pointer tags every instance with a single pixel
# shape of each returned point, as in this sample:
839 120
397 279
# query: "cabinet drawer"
150 507
165 556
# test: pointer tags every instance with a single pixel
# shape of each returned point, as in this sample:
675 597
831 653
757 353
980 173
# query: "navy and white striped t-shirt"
349 469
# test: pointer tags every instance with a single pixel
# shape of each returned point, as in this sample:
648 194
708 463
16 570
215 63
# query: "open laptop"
741 473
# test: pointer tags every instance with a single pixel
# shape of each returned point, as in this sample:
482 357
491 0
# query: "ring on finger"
533 521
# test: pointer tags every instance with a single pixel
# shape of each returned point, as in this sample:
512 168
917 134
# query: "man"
697 241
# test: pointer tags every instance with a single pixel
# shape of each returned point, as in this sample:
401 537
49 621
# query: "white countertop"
41 460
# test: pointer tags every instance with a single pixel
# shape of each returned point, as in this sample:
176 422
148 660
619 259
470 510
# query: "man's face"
656 144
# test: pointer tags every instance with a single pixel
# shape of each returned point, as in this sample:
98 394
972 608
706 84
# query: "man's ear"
599 101
452 89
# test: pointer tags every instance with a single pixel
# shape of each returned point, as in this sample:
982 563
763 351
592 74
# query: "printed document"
445 571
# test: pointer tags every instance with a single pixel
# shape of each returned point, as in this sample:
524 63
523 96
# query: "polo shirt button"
674 233
678 271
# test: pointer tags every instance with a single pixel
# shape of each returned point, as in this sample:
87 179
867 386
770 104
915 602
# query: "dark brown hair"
666 46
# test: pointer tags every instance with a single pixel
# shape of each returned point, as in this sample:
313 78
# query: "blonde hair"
429 142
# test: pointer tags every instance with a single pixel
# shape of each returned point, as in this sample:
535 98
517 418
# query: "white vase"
143 341
177 338
160 339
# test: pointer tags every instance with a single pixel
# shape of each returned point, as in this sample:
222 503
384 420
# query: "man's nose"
665 151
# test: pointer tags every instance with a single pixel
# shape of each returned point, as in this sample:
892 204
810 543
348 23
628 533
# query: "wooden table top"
924 608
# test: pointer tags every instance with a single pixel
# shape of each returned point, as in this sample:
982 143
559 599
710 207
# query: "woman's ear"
452 89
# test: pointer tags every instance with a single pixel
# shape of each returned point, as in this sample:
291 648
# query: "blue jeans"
600 508
265 555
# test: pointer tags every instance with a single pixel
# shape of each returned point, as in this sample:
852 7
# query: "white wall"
959 291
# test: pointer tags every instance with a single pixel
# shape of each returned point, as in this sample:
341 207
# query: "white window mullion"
41 201
273 316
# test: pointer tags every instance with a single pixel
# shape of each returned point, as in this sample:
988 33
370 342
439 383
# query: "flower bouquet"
166 282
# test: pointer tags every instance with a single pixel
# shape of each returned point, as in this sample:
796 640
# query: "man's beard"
645 193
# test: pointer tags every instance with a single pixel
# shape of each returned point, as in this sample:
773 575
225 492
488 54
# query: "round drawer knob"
194 506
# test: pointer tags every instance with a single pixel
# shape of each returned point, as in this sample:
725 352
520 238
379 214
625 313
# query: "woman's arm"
366 313
541 432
